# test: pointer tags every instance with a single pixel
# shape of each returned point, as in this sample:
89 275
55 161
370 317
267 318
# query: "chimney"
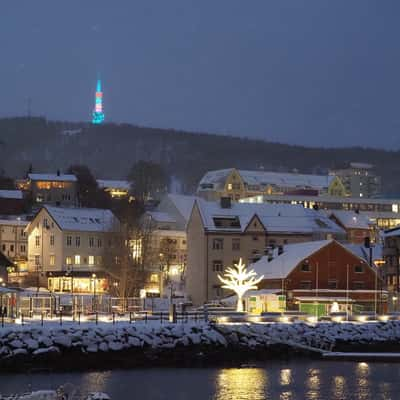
226 202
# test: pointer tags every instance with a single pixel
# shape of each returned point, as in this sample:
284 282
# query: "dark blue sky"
312 72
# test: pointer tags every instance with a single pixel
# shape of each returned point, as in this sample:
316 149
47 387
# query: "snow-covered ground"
91 338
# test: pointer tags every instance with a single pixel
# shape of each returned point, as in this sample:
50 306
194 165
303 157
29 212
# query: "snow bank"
37 342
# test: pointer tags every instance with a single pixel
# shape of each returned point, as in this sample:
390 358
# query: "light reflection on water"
274 380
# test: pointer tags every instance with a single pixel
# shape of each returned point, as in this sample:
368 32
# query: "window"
77 241
217 266
358 269
217 290
52 240
98 242
77 259
154 278
229 186
99 260
91 242
23 233
358 285
305 267
37 241
255 238
45 223
218 244
68 260
183 242
236 244
69 240
11 247
332 284
305 285
37 260
52 260
91 260
22 248
4 247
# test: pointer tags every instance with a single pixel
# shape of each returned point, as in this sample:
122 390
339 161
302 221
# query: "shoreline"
33 349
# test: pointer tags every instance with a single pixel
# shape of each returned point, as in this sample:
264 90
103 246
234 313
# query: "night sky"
312 72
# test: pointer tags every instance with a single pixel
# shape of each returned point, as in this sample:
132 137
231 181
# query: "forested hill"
111 149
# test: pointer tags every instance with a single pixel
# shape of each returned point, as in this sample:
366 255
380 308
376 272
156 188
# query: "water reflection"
313 383
286 377
242 384
362 373
338 388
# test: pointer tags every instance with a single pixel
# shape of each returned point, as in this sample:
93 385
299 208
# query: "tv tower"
98 115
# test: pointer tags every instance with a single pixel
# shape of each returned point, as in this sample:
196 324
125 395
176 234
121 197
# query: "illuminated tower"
98 115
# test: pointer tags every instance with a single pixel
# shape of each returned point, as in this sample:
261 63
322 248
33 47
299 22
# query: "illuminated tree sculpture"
240 280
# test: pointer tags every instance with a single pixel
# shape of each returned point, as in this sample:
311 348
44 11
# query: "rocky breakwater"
118 346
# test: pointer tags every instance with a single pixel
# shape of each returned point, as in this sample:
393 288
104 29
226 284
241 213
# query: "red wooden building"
320 273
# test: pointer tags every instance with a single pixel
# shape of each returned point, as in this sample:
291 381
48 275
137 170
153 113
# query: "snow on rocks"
34 341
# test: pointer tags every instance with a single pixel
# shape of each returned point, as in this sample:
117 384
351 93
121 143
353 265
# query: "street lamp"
94 291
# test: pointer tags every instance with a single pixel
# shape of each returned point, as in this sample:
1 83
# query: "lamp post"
94 292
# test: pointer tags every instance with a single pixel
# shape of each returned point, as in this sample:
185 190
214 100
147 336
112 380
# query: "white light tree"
240 280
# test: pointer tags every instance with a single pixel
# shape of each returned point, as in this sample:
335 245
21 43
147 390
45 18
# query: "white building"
69 248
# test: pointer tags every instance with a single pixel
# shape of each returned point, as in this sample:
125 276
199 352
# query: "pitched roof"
279 218
11 194
265 178
363 252
281 265
183 203
53 177
351 219
113 184
160 216
83 219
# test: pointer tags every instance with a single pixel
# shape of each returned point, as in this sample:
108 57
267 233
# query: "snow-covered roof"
53 177
159 216
392 232
351 219
276 218
83 219
169 233
183 203
11 194
265 178
281 265
113 184
16 221
363 252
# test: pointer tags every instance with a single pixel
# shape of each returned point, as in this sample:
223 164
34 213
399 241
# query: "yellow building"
239 184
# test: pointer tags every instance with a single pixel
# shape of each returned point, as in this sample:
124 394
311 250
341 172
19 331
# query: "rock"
17 344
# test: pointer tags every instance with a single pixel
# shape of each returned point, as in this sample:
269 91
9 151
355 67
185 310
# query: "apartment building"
167 252
220 233
54 189
239 184
359 179
72 249
14 246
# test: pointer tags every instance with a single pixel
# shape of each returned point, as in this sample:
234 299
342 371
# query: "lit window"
229 186
77 259
154 278
395 208
52 259
91 260
68 260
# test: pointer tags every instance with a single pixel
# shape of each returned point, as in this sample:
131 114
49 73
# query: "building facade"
54 189
239 184
220 233
71 249
357 226
359 180
312 276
